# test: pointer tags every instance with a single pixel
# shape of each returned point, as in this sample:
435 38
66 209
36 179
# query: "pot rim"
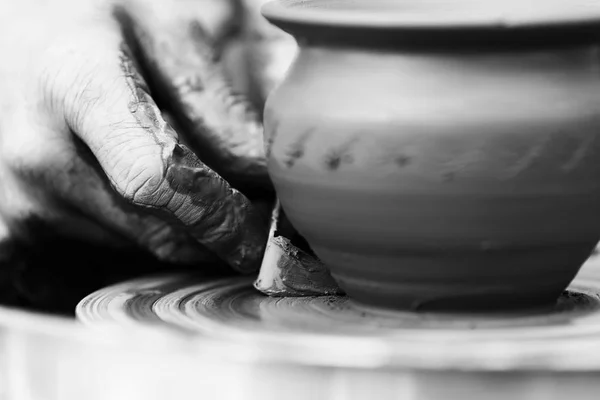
506 15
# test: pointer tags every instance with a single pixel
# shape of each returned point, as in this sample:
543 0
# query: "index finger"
113 113
219 125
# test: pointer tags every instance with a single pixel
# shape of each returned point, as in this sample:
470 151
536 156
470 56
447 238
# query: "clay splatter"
448 176
402 160
271 125
579 154
398 158
466 163
272 134
341 155
528 160
298 148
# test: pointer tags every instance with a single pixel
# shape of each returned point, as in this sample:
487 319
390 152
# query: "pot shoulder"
524 117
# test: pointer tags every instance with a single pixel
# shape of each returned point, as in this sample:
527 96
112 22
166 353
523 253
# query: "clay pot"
439 160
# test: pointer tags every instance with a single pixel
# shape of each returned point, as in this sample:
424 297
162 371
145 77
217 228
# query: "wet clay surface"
233 303
420 190
289 267
564 335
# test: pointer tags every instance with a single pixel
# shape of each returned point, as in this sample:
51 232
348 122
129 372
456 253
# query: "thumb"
114 114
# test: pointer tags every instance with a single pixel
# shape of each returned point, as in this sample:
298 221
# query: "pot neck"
492 38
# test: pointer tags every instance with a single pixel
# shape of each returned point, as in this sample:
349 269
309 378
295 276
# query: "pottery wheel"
336 330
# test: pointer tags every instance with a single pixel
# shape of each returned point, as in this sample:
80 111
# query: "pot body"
441 179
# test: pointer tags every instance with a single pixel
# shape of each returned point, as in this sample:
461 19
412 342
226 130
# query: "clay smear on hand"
218 216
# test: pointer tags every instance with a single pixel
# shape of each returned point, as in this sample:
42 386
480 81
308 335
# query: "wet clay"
229 225
431 170
337 329
219 125
289 268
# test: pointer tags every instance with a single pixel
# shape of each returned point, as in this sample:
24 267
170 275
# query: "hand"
118 127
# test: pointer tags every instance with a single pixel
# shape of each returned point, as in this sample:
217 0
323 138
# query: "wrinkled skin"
118 128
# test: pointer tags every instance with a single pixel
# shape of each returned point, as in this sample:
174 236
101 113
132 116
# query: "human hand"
84 144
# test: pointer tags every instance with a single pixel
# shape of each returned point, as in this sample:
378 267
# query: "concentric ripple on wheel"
563 337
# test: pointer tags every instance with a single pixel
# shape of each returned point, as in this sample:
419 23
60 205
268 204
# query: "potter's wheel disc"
336 331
